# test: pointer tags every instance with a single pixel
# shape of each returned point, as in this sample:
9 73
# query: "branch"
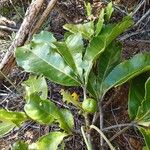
8 61
8 29
119 125
43 17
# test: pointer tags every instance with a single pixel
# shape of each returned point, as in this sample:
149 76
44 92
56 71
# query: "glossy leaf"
95 48
111 31
68 98
43 111
147 91
93 85
43 37
143 115
108 60
46 112
66 120
100 22
36 84
118 29
42 59
66 54
51 141
20 145
146 135
109 10
136 95
13 117
127 70
98 44
6 127
71 50
86 29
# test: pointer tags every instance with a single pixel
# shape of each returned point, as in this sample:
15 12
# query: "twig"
8 28
128 35
138 7
118 126
143 41
117 134
8 62
43 17
15 9
142 18
104 137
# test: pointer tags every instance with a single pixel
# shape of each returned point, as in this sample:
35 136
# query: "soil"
115 107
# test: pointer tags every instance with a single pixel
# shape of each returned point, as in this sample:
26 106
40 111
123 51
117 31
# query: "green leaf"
93 85
119 28
127 70
6 127
71 50
42 59
66 54
109 10
147 91
146 135
43 37
43 111
66 120
86 29
20 145
98 44
145 148
51 141
68 98
94 49
46 112
143 115
13 117
88 8
100 22
36 84
108 60
136 95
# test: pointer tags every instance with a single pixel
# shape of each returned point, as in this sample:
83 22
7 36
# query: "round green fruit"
89 105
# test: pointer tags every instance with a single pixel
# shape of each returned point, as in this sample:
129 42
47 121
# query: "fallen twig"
8 28
142 18
118 126
128 35
8 61
138 7
43 17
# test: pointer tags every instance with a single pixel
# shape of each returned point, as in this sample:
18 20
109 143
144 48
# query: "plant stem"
103 136
86 141
87 122
101 122
101 118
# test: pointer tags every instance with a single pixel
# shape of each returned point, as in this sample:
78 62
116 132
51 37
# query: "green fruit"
89 105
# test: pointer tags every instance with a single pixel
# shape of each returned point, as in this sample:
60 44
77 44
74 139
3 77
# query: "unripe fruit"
89 105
